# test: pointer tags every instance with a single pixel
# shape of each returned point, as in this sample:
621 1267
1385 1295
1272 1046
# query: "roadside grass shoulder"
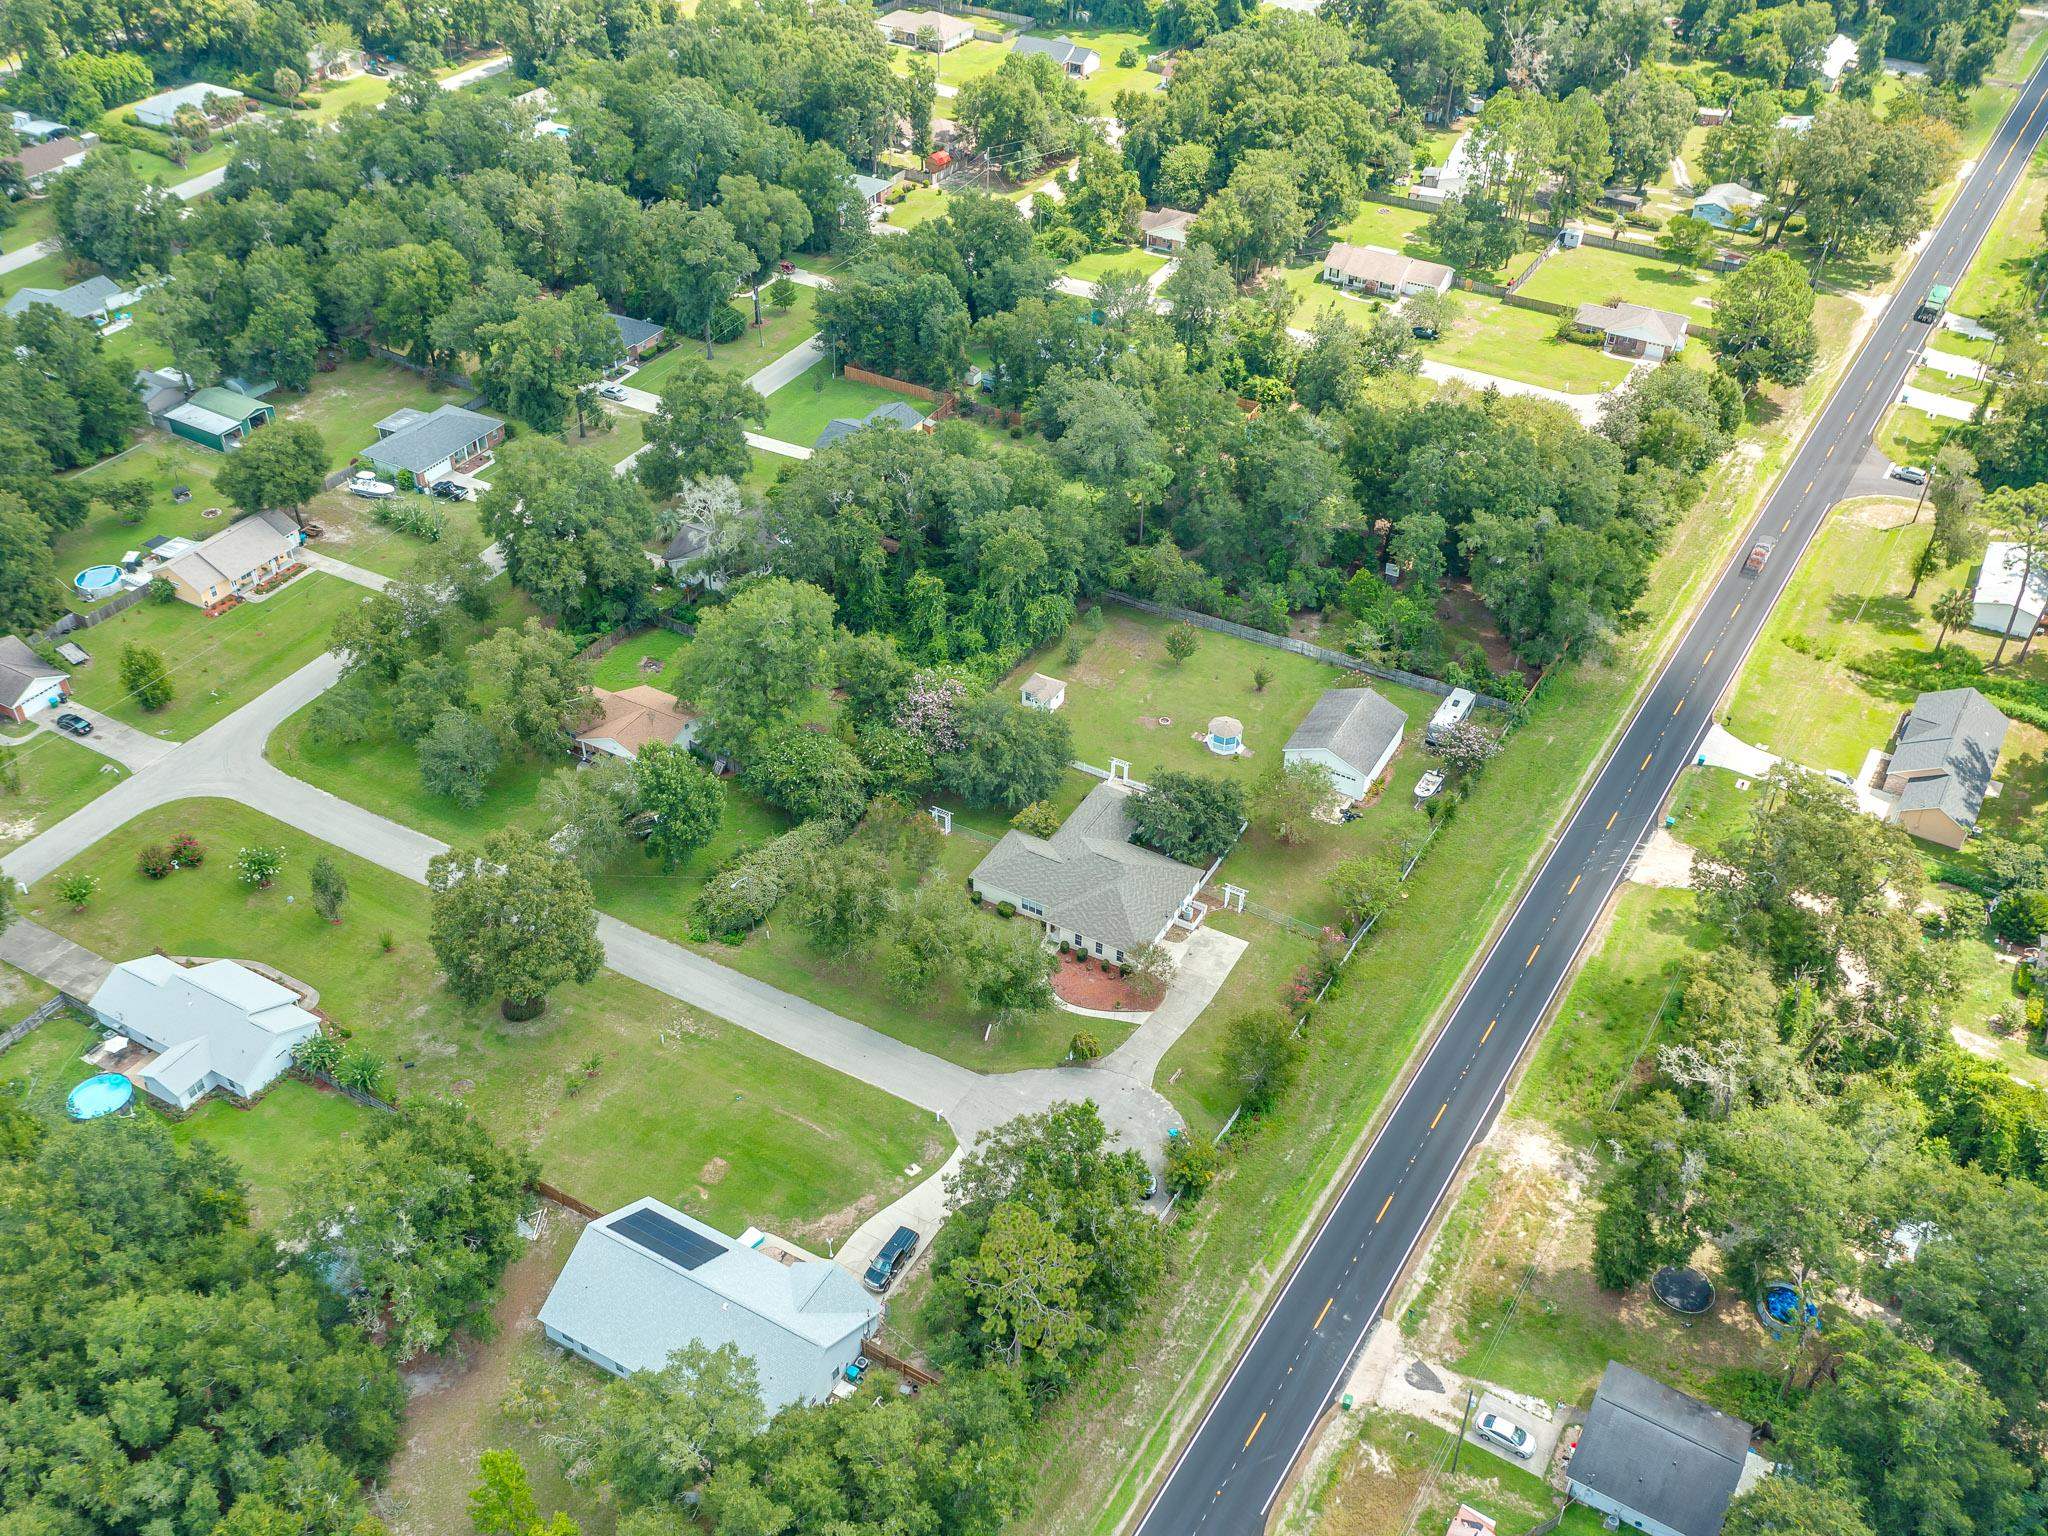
216 664
35 219
2007 268
1394 1478
617 1090
57 777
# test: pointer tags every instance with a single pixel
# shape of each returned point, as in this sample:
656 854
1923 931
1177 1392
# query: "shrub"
155 861
742 894
360 1068
1006 909
1182 641
1084 1046
318 1055
386 942
1038 818
76 890
187 852
1191 1165
258 866
1128 58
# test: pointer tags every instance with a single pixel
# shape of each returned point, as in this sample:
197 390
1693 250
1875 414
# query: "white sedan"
1507 1434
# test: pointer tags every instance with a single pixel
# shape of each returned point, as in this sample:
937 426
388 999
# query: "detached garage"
1353 732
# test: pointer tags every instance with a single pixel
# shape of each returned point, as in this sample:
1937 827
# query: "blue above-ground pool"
98 1095
1779 1308
95 580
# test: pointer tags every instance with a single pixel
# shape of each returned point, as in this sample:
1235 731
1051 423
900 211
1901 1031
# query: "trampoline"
1684 1290
102 1094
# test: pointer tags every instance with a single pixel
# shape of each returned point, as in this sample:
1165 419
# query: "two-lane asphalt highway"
1229 1474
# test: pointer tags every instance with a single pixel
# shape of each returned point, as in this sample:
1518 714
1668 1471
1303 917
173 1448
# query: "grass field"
1910 436
623 665
617 1090
2006 268
799 410
1797 695
346 405
1097 265
57 777
52 271
332 98
217 664
162 463
1522 344
1113 79
780 330
918 205
1592 276
35 219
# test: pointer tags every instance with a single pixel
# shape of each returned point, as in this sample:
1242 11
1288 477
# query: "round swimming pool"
95 579
99 1095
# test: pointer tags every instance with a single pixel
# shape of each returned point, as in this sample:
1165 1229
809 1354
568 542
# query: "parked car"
77 725
890 1261
364 483
451 490
1912 474
1506 1434
1758 555
611 391
1836 776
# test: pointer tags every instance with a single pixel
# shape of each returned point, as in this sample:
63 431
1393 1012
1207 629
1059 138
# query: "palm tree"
1953 609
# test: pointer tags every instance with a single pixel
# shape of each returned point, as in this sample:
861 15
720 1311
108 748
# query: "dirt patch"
1664 862
1084 984
649 665
1879 512
1461 612
19 831
714 1172
829 1229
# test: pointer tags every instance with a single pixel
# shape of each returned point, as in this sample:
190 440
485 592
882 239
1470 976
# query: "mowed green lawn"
57 777
800 410
1848 599
2005 269
617 1090
1113 79
1523 344
52 271
1910 435
162 463
216 664
35 219
1592 276
1097 265
346 405
1127 698
778 332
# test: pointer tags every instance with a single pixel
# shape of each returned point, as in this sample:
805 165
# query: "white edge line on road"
1492 1109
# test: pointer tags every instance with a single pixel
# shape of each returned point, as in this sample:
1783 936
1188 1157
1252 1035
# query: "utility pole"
1457 1449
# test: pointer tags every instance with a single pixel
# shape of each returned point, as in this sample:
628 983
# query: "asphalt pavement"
1229 1475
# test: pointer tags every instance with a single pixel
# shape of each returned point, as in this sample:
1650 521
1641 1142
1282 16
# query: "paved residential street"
1229 1473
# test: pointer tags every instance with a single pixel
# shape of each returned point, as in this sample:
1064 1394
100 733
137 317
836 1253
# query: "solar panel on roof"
667 1239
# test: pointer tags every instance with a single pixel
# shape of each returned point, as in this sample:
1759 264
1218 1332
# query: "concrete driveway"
131 748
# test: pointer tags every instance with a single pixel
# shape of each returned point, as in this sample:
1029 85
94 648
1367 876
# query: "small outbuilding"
1225 736
1165 230
1042 692
213 1025
1659 1461
218 418
1352 732
648 1279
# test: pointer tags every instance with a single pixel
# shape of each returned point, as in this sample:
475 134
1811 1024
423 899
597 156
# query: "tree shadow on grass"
1892 614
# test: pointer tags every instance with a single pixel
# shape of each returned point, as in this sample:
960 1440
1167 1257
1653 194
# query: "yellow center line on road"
1324 1313
1706 658
1383 1211
1610 821
1489 1029
1248 1439
1678 706
1786 526
1440 1113
1532 957
1646 762
1574 885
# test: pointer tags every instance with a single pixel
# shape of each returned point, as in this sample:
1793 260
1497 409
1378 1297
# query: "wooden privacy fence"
1320 653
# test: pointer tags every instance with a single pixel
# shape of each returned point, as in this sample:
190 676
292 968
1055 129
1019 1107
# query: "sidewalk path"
1945 406
1722 749
1587 407
777 445
314 560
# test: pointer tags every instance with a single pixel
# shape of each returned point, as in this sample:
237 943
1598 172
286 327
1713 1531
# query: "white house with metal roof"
2011 592
1352 732
216 1025
432 444
1089 883
648 1279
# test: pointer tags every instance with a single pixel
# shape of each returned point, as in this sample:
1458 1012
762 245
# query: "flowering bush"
927 710
258 866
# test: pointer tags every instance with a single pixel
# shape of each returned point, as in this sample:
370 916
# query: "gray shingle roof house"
1635 330
430 443
894 413
648 1279
1941 764
1353 732
637 336
1089 883
160 110
1076 61
89 300
217 1025
1658 1460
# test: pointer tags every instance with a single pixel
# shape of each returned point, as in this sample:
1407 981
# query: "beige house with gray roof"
1089 883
